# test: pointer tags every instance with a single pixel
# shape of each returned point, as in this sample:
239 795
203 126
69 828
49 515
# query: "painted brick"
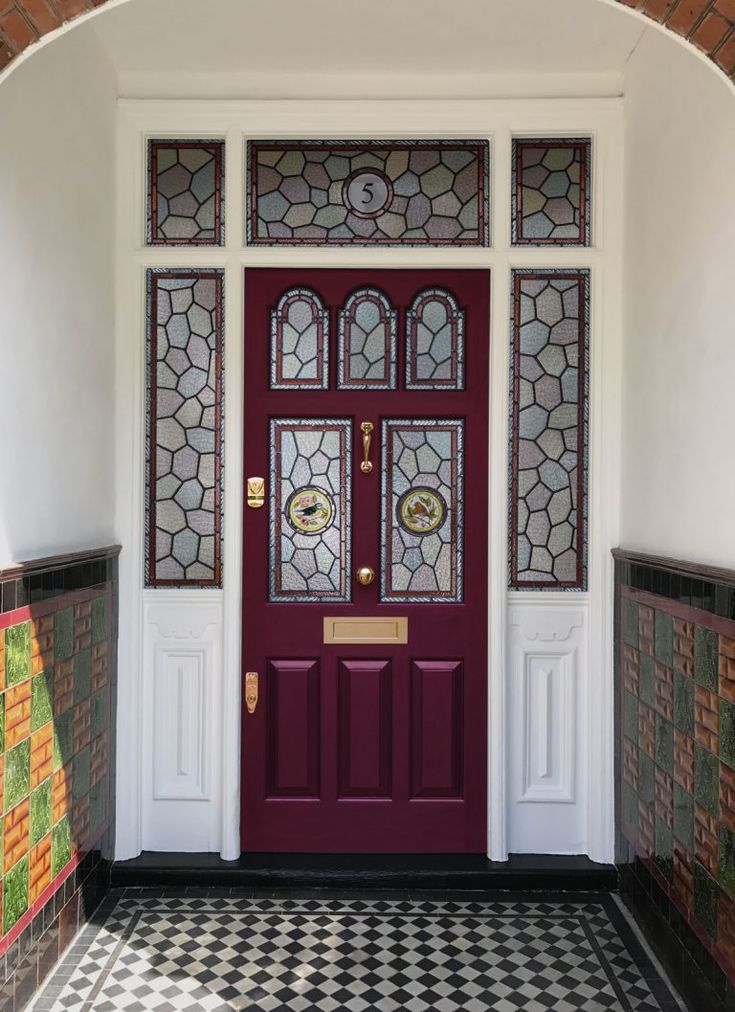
41 15
657 9
711 32
17 713
725 55
17 30
686 14
39 870
706 718
684 761
646 630
705 838
16 834
42 754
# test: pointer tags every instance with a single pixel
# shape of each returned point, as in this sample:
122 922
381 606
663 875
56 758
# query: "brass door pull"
251 691
365 575
367 436
256 493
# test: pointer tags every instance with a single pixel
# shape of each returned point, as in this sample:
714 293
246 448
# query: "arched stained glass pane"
367 342
299 342
435 342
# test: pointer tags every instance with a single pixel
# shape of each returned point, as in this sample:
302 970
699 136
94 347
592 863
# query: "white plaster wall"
57 179
678 401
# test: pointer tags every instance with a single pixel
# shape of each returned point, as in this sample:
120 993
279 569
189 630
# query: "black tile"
8 595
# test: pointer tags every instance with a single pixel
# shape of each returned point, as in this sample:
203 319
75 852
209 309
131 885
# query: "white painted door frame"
147 816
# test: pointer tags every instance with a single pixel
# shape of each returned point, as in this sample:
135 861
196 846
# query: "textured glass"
366 193
367 342
185 193
184 428
549 417
299 342
435 342
551 192
421 494
310 509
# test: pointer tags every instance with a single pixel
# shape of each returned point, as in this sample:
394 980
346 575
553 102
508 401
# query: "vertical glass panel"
367 342
551 192
421 529
185 193
548 426
435 342
184 428
310 487
299 342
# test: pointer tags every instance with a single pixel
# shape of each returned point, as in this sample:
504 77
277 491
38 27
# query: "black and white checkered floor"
149 952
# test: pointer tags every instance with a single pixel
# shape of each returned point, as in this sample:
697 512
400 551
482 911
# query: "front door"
365 567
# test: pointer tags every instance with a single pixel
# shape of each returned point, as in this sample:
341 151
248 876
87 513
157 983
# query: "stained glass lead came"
435 342
367 342
299 342
551 192
185 193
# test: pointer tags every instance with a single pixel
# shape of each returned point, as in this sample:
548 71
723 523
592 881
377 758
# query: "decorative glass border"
153 275
582 277
584 145
482 150
456 510
277 509
389 318
321 381
456 315
218 146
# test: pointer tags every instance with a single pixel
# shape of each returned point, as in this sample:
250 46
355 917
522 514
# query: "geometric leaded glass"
310 491
551 192
185 193
184 428
367 193
299 342
435 342
367 342
549 430
421 495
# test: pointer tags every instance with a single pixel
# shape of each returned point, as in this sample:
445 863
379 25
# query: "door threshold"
369 871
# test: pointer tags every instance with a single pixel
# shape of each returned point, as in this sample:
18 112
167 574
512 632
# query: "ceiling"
375 48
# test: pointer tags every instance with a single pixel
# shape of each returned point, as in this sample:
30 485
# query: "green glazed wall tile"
630 716
82 675
80 774
97 804
98 711
99 619
706 649
664 849
646 778
15 893
40 811
647 680
42 710
63 739
17 774
63 634
2 722
665 744
684 817
17 653
727 732
726 861
630 622
684 704
664 638
705 899
60 846
706 779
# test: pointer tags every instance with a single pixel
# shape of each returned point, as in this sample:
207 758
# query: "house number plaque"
367 193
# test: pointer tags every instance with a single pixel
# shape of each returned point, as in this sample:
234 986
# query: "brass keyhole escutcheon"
365 575
251 691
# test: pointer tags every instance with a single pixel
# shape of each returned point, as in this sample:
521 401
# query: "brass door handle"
251 691
367 436
365 575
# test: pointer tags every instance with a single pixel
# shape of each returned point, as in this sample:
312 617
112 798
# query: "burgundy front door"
369 731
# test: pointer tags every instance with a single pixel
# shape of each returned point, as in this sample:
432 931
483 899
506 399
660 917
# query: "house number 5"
367 193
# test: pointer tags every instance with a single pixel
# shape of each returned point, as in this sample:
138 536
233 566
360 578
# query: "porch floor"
218 949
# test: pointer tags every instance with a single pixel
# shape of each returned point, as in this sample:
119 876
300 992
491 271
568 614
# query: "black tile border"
708 588
42 579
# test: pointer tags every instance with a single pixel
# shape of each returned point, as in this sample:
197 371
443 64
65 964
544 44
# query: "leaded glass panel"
421 494
551 192
299 342
368 192
184 428
435 342
367 342
549 421
186 193
310 486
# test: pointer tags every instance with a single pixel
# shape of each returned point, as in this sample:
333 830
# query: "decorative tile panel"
310 522
367 342
299 342
548 430
186 193
422 550
184 426
551 192
435 342
368 192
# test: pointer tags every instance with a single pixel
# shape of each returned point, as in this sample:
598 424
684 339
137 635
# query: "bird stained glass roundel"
309 510
421 510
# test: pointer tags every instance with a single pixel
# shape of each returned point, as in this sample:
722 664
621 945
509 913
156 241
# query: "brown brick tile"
684 647
42 754
63 687
684 761
39 871
98 759
99 666
705 838
630 669
645 629
17 713
61 792
664 796
630 763
81 724
683 872
646 829
2 782
80 821
706 718
665 691
727 796
16 834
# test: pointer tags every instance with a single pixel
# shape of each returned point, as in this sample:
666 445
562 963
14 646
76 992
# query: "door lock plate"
256 493
251 691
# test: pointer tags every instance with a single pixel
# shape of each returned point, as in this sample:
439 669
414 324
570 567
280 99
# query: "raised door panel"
364 735
292 707
437 735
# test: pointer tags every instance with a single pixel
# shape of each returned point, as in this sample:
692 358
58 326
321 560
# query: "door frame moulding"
237 121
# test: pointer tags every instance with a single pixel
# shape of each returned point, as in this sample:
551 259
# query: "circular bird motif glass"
309 510
367 194
421 510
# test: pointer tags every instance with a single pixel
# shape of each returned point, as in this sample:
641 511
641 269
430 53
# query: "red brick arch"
707 24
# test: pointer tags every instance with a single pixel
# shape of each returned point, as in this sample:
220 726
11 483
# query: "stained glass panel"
184 428
368 192
299 342
367 342
551 192
185 193
549 420
422 491
310 509
435 342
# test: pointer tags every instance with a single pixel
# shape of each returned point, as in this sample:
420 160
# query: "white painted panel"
180 708
549 721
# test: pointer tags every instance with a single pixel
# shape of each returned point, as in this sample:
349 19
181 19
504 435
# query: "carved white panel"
180 702
549 722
